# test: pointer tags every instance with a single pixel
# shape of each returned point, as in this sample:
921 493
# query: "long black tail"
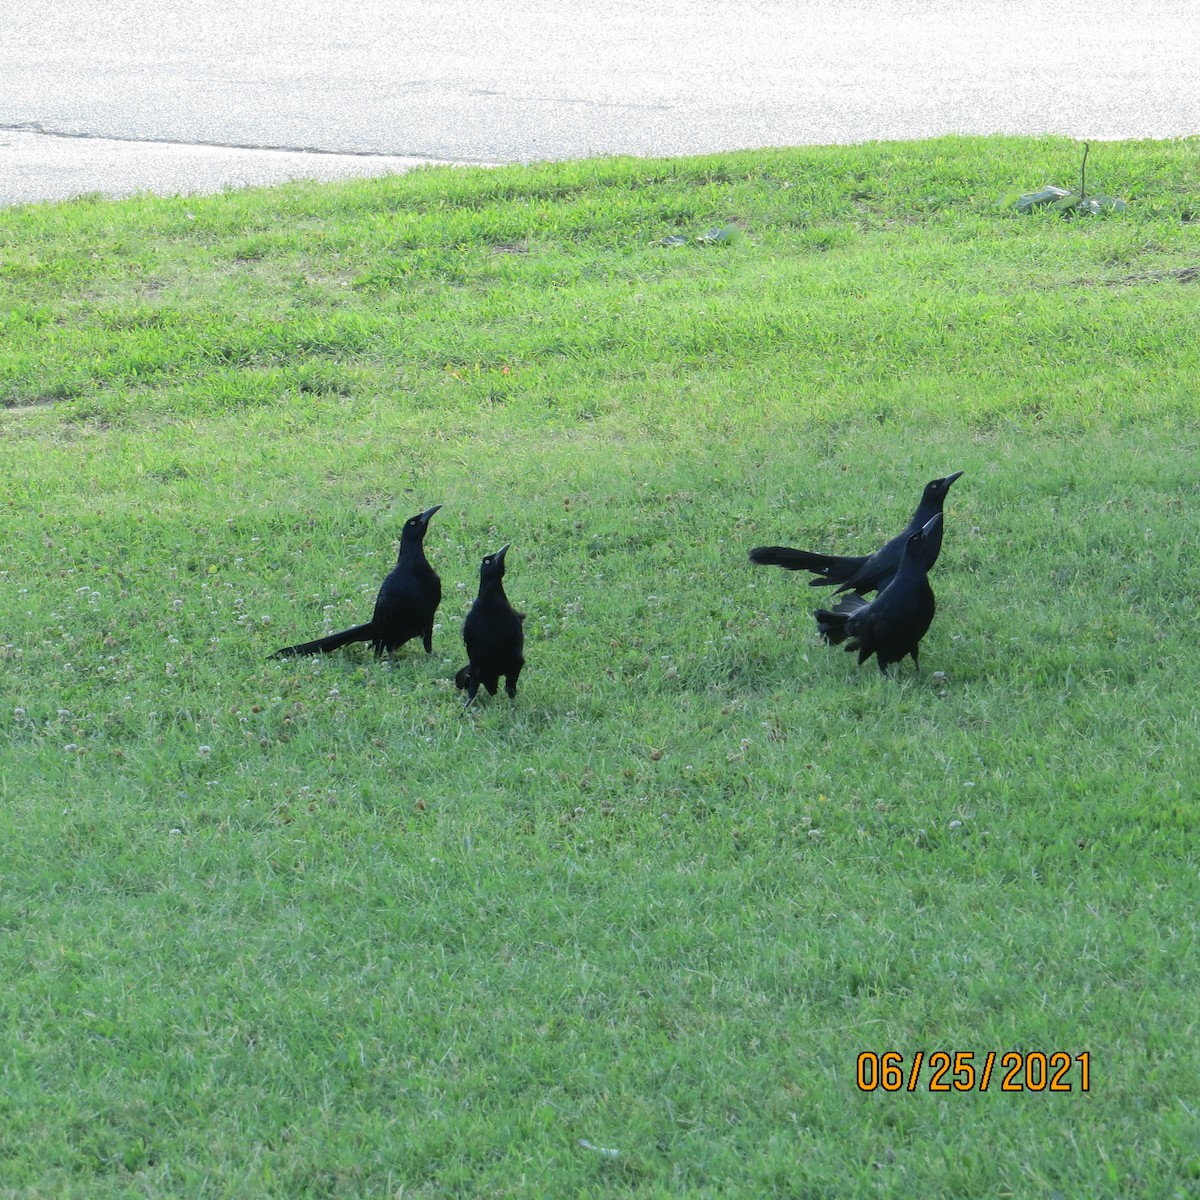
831 625
830 568
335 641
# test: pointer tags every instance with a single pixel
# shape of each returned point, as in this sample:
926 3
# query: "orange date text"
966 1071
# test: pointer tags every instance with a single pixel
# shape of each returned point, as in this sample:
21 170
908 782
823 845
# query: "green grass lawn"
299 928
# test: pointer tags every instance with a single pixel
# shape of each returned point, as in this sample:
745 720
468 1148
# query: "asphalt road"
196 95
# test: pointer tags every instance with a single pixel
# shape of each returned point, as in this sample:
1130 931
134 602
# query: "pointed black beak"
429 513
499 555
932 524
951 478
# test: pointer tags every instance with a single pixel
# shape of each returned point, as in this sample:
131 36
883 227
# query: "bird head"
924 544
492 566
936 489
415 527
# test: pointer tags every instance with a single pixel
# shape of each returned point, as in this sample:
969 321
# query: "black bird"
871 572
404 608
893 624
494 635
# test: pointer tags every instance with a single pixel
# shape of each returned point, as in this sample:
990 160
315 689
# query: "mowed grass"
301 929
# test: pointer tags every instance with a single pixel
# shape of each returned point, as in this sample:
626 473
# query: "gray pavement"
195 95
37 167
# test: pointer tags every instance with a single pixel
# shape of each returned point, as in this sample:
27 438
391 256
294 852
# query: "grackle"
868 573
404 608
494 635
893 624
